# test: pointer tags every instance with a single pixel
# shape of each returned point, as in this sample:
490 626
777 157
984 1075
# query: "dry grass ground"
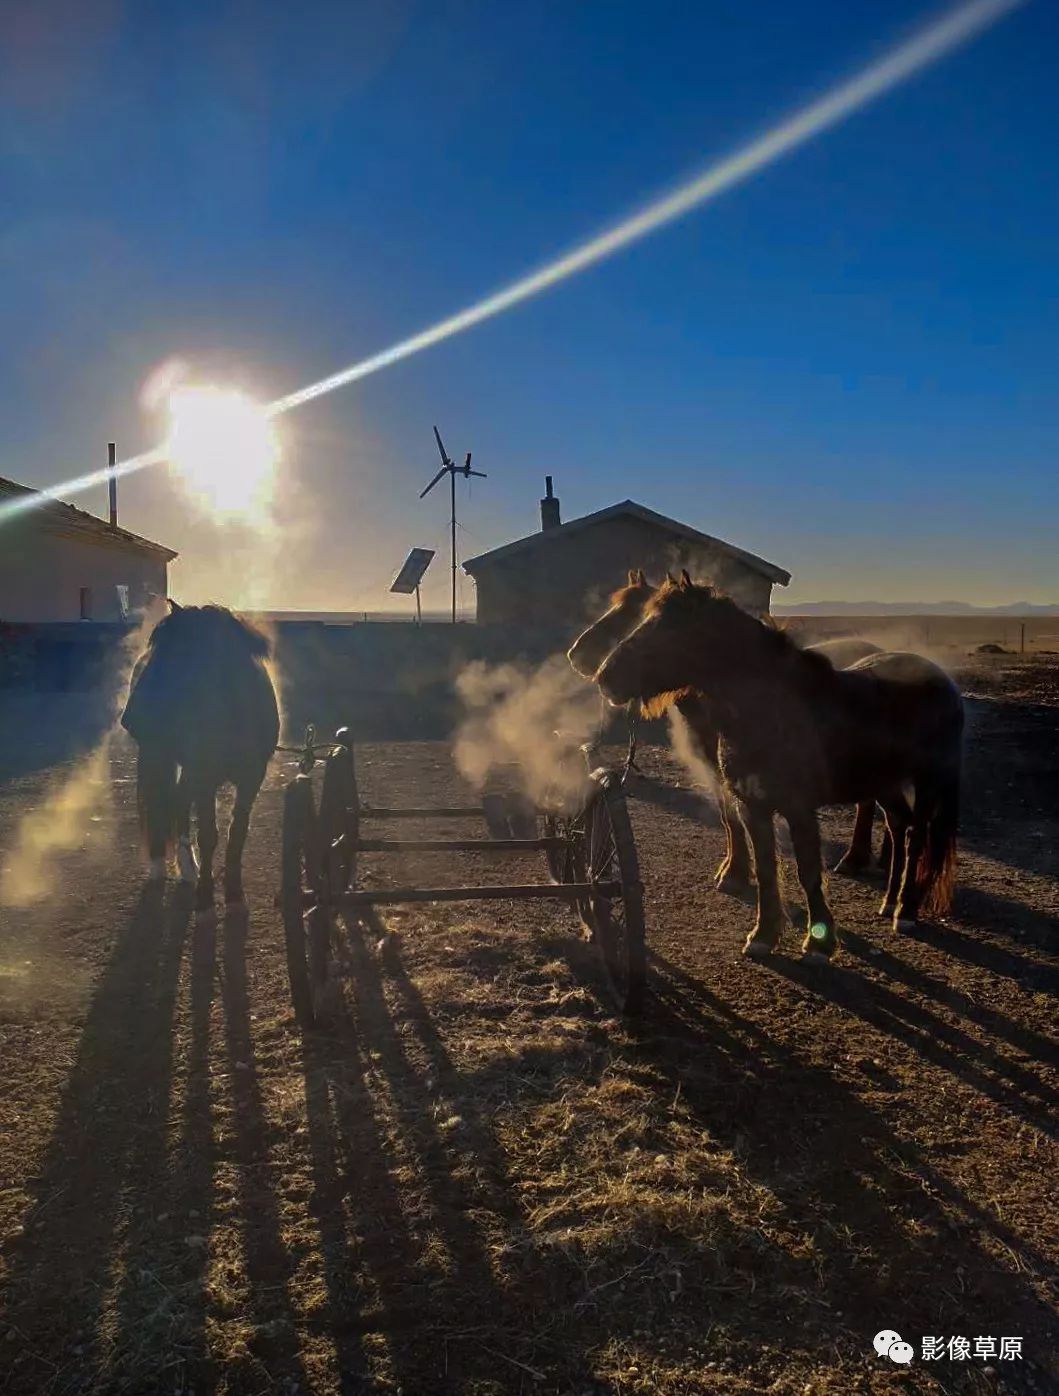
477 1180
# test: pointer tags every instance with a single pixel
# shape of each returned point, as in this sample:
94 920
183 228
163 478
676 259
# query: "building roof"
61 517
628 508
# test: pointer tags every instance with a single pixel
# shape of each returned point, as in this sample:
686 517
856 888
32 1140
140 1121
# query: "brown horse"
203 712
794 734
626 611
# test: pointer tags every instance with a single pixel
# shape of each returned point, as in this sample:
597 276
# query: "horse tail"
156 784
936 871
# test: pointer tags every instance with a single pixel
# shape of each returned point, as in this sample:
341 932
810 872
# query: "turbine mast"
451 469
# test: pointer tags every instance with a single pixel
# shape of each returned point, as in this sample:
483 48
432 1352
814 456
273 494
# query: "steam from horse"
528 722
72 813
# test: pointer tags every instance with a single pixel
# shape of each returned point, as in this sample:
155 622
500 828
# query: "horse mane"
774 641
660 704
212 622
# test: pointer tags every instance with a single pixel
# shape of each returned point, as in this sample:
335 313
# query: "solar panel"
412 570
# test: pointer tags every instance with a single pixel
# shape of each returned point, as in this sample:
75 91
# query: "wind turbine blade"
433 482
441 447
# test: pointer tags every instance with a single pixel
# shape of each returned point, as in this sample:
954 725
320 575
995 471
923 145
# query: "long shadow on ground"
108 1140
888 1231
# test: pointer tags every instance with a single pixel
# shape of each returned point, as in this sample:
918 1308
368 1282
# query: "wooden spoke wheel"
318 862
567 863
299 883
616 916
339 820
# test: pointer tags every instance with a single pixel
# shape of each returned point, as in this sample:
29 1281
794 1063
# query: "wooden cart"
589 851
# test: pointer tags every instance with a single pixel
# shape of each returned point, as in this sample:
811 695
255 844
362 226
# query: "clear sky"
847 365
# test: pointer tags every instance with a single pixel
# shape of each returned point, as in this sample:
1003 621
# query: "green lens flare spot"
819 931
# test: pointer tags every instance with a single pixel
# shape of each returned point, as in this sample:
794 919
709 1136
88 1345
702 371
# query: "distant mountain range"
911 608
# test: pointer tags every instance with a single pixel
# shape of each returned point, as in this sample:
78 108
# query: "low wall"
386 680
390 680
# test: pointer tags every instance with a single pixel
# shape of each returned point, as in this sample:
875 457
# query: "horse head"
626 610
685 640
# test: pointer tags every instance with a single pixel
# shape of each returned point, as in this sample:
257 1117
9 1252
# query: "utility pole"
451 469
112 482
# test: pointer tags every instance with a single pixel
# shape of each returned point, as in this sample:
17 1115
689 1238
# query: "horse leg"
733 874
155 779
906 911
857 856
206 810
820 938
898 818
886 849
768 927
245 795
186 862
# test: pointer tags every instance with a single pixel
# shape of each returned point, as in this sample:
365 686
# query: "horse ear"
685 579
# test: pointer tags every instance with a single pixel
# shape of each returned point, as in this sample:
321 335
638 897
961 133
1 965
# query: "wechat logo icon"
889 1343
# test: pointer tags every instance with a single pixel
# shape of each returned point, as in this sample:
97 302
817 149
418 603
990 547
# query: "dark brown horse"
626 611
794 734
203 712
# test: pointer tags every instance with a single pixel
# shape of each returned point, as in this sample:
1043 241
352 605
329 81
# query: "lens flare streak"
803 126
896 67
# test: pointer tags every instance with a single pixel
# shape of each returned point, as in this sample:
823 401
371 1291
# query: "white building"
58 563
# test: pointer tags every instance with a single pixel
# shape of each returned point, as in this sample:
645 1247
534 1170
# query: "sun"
223 447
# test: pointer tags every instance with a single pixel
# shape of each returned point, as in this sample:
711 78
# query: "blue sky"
847 365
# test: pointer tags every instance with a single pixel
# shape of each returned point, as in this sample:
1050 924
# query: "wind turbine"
451 469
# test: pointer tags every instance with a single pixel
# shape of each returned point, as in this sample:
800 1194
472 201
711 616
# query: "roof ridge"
59 511
629 506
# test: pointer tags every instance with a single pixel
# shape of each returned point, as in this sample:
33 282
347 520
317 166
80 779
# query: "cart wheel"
567 864
299 873
618 918
339 819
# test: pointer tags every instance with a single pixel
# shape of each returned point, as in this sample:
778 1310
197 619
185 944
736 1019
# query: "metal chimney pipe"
549 507
112 458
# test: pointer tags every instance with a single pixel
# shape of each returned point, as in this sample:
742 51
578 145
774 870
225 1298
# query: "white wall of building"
42 574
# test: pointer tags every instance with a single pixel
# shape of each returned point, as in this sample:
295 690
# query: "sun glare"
222 446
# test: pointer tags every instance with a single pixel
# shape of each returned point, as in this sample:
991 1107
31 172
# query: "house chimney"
549 507
112 456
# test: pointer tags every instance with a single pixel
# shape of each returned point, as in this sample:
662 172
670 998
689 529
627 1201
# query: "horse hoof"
815 956
758 949
732 885
820 942
851 867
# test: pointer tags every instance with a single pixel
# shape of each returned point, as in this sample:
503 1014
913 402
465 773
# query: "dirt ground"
477 1179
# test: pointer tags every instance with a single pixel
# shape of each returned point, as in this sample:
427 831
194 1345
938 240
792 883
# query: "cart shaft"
458 845
564 891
